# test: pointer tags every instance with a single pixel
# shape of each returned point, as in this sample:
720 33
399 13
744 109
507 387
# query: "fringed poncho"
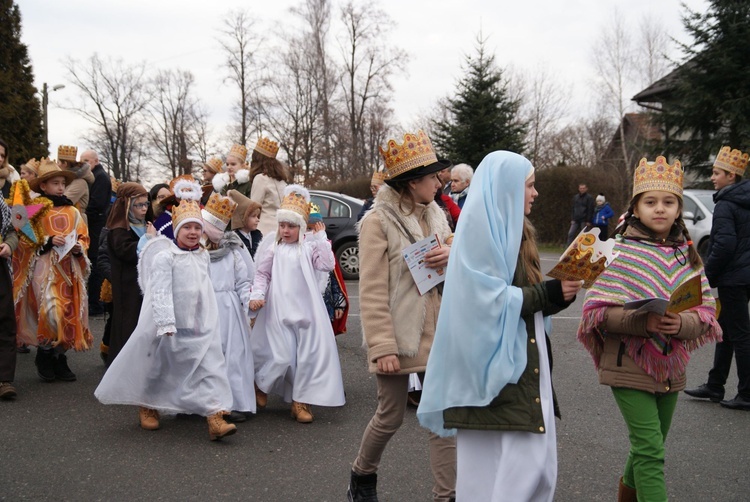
647 270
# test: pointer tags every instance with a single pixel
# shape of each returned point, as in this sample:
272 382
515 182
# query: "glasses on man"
140 205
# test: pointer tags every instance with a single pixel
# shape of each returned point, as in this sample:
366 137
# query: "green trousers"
648 417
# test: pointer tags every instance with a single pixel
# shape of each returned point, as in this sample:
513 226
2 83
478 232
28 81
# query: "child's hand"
58 240
4 250
670 324
570 289
150 229
389 364
256 304
338 313
318 227
76 249
437 258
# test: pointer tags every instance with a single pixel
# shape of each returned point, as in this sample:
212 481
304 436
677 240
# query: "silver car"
698 214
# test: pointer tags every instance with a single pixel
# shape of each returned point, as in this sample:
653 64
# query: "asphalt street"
58 443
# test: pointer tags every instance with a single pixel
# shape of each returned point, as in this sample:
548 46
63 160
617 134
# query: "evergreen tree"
20 109
710 103
482 117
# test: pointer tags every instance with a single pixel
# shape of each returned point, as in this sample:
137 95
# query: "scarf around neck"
58 200
647 269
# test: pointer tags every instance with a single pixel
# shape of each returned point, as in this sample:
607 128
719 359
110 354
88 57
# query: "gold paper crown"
267 147
658 175
416 151
32 165
187 209
219 210
215 165
733 161
296 203
68 153
238 151
378 177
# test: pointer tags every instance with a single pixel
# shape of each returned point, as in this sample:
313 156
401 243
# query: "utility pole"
45 103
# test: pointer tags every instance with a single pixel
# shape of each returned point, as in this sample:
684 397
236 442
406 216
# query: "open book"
686 296
585 259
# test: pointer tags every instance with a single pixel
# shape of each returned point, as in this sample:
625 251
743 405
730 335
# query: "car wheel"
703 249
348 258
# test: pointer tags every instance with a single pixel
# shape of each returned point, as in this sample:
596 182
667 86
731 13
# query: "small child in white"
293 343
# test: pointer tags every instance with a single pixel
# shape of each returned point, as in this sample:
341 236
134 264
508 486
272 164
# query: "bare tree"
113 97
177 120
582 143
652 62
240 45
368 62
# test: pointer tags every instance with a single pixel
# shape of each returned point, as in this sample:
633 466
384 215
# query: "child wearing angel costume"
173 362
231 270
293 342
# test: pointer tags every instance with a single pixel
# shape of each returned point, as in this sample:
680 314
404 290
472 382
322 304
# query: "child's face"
721 178
288 233
27 174
530 194
233 165
139 206
658 211
251 223
53 186
189 235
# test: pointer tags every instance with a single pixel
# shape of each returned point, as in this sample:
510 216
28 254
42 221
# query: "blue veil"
480 342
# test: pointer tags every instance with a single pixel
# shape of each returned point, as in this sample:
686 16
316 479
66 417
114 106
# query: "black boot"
62 371
363 488
45 365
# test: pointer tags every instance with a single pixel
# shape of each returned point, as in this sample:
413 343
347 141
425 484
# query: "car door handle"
332 226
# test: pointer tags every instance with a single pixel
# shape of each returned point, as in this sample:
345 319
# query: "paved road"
57 442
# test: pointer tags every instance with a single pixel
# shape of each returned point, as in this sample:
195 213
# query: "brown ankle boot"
218 427
149 418
261 398
302 412
625 493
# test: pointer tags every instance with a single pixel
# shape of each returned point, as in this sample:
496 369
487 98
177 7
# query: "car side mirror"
688 215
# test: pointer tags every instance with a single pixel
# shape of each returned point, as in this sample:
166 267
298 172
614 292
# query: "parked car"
698 214
339 213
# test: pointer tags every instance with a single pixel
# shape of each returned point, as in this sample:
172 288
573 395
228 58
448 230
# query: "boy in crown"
293 343
173 363
728 268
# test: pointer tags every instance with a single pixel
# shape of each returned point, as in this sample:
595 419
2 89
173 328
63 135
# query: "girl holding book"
643 356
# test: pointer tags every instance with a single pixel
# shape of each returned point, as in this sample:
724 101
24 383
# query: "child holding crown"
643 356
293 342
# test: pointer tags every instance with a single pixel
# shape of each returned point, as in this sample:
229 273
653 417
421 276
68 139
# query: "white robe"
511 466
293 343
229 276
182 373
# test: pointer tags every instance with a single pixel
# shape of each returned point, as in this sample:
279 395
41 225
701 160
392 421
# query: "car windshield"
707 199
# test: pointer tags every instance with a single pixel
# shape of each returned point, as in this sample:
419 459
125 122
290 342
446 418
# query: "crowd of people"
223 293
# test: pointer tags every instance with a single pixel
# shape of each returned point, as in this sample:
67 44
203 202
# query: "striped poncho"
647 270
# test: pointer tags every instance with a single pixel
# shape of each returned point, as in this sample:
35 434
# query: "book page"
426 278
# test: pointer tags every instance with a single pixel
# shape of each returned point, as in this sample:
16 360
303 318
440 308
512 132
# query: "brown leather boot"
625 493
302 412
149 418
218 427
261 398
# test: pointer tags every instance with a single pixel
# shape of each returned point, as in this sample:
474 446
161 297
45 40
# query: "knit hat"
658 175
218 211
295 207
600 199
315 216
188 194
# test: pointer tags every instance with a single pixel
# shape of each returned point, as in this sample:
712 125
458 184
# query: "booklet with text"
686 296
425 277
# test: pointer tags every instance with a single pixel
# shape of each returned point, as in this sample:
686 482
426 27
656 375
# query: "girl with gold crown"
643 355
293 343
231 270
236 176
268 178
173 363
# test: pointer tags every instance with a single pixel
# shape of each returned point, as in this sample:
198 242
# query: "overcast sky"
437 34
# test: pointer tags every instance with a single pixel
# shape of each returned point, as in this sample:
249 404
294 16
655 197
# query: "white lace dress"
293 343
183 373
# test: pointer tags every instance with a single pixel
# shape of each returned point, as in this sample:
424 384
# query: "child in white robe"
293 343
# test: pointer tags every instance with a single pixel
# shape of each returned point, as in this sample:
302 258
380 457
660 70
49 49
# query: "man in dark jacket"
96 213
583 211
728 268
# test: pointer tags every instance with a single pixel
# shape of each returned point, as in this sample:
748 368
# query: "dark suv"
339 213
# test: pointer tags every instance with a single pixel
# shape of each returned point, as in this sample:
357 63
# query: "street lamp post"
45 103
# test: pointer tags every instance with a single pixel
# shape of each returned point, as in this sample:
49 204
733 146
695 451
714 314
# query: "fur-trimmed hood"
83 171
221 180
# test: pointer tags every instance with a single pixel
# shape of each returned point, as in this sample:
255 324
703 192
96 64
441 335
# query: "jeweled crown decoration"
733 161
238 151
267 147
297 203
219 210
378 177
215 164
416 151
68 153
658 175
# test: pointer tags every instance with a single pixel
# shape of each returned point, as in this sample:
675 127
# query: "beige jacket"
617 368
78 189
396 320
267 192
